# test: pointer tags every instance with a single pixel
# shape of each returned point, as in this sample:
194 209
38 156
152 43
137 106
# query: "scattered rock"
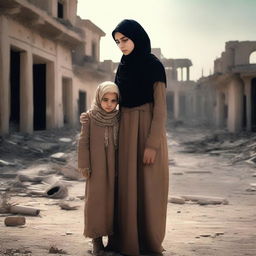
5 163
60 156
67 140
69 172
205 235
176 200
55 250
205 200
66 206
177 173
198 172
14 221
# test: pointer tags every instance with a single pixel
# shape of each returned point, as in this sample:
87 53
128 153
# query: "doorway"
14 91
39 95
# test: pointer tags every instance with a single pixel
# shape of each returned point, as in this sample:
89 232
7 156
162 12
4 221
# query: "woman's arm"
84 148
157 129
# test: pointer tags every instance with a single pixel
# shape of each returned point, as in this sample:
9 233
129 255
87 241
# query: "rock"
254 174
205 235
55 250
60 156
219 233
42 146
5 163
177 173
70 172
198 172
8 175
251 189
205 200
67 140
176 200
14 221
66 206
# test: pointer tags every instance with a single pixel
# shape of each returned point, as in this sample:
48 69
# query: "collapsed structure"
50 67
230 92
49 64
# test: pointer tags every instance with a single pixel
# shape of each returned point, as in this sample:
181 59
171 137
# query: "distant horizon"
183 29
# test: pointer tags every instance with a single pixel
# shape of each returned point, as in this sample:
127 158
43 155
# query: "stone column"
248 93
26 92
181 74
220 109
4 76
235 105
53 7
188 75
67 101
176 105
51 81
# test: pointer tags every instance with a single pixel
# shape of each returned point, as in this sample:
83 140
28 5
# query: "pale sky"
193 29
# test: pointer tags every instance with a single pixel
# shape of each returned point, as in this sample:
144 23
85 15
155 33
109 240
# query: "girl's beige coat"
99 192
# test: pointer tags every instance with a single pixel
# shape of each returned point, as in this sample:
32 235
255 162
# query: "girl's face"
109 101
124 43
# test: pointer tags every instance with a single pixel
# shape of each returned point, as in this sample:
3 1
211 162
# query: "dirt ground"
192 229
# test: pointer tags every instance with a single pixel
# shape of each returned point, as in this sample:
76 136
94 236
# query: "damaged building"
230 92
49 64
182 93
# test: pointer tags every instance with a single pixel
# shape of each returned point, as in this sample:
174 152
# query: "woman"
143 157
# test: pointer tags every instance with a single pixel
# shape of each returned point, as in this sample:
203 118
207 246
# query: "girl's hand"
83 118
149 156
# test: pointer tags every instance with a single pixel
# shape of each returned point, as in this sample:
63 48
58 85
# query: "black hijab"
138 71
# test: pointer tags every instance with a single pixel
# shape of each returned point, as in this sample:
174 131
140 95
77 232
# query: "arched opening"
252 59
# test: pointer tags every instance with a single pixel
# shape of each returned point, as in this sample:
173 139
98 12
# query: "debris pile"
237 147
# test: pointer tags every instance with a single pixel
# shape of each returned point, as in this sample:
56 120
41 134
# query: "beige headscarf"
100 116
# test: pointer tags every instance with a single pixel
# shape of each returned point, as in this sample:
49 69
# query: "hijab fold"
138 71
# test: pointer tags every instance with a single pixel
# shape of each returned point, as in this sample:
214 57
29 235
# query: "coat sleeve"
84 144
157 129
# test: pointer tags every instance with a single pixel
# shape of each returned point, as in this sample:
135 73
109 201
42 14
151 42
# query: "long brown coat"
142 189
99 193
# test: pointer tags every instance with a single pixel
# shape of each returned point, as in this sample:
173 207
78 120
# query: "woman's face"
124 43
109 102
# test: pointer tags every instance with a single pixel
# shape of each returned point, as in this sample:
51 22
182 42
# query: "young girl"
96 161
143 156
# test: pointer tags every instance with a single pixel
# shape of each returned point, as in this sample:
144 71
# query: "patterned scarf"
103 118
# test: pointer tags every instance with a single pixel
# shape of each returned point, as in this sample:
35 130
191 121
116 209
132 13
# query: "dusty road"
192 229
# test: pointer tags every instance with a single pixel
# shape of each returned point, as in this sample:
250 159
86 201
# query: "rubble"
67 206
55 250
201 200
60 156
16 209
238 147
176 200
205 200
58 191
15 221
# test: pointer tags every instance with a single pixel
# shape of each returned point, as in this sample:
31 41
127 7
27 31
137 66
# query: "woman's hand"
149 156
83 118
